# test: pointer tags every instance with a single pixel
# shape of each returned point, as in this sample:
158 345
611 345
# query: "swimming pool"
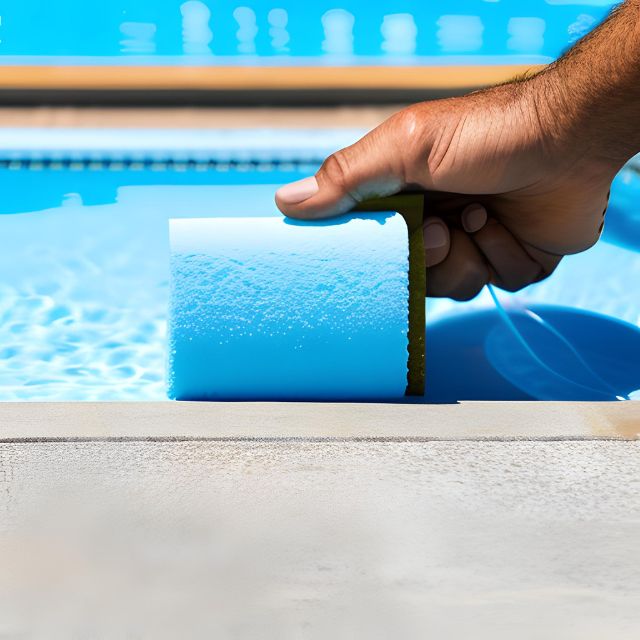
259 32
84 262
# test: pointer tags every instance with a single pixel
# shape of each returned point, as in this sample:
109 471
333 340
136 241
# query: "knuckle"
336 169
408 128
405 123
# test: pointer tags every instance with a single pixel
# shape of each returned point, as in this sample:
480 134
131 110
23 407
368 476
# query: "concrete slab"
268 520
193 420
321 539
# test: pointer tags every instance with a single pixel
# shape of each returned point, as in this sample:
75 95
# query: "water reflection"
583 24
278 19
593 3
72 200
196 34
247 29
399 32
459 34
338 32
138 38
354 28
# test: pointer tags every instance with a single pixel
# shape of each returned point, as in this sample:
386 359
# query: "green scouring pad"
411 207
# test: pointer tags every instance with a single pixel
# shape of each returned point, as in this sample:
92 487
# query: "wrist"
573 122
589 97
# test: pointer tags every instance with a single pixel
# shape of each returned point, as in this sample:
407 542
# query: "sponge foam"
274 309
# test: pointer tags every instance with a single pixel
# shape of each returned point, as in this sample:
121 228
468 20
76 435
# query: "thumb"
372 167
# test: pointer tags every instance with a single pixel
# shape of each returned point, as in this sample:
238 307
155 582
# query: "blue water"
552 363
472 355
84 272
84 285
257 31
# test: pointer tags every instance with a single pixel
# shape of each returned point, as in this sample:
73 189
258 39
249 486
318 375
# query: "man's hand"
515 177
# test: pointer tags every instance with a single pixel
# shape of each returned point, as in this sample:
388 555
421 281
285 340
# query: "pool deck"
44 421
484 520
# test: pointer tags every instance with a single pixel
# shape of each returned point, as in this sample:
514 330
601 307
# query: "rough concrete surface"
320 539
255 420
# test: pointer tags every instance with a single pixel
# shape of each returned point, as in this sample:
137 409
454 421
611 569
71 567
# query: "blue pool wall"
257 30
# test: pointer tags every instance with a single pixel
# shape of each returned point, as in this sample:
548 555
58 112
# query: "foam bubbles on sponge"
275 309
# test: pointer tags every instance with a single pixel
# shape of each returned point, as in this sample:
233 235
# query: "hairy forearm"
590 97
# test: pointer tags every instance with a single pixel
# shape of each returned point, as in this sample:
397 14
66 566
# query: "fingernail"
298 191
474 217
434 236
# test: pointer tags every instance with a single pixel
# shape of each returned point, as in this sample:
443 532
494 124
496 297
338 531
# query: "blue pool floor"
84 283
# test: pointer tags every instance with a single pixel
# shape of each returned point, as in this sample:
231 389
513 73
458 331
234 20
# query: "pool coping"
179 421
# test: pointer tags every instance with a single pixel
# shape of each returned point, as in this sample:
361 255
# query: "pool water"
84 260
259 32
84 266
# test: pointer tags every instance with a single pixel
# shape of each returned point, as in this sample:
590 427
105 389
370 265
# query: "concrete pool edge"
45 421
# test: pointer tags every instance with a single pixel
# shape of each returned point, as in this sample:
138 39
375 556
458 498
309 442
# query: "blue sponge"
275 309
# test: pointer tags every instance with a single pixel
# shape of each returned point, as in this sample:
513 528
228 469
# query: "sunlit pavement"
484 520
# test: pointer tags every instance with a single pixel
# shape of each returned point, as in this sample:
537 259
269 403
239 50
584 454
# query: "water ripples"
58 344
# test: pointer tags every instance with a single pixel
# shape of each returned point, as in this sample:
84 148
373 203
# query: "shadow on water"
477 356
